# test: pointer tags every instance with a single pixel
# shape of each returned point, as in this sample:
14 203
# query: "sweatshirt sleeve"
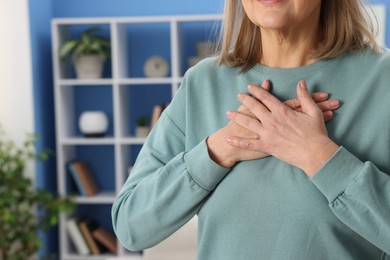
359 195
167 186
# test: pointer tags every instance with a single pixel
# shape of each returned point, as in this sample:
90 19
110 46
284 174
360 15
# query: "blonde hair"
344 26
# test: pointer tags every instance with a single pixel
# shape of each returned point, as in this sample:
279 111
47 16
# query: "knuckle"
295 103
250 145
251 103
323 106
271 121
264 95
285 111
246 122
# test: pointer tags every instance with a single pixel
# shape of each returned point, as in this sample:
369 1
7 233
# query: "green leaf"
19 223
87 44
67 48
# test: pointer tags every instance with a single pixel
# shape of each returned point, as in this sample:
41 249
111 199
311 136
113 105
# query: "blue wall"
96 8
41 12
40 15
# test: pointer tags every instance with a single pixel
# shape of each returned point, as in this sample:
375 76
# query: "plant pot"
141 131
89 66
93 123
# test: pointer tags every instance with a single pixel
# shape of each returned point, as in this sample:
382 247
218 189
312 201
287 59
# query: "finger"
328 115
266 98
244 143
329 105
266 85
317 97
307 103
256 107
244 121
293 103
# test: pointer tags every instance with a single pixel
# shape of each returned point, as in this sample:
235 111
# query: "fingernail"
324 95
250 87
229 113
240 96
265 85
334 103
302 84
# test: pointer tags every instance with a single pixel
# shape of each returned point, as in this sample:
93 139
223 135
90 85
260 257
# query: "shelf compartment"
101 215
140 42
101 162
65 32
138 101
76 99
190 33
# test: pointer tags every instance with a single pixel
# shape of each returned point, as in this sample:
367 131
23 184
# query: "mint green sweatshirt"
266 208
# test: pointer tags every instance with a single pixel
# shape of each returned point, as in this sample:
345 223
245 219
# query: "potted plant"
142 129
88 53
24 210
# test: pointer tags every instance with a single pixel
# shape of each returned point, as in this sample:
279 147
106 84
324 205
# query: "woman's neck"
290 48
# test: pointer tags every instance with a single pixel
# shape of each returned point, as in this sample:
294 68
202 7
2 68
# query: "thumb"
307 103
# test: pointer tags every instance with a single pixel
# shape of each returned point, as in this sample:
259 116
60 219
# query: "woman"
273 182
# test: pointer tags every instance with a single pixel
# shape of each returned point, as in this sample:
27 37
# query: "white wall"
379 15
16 88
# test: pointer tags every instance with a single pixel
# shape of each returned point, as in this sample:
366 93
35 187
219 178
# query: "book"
76 237
157 111
106 238
83 177
87 226
86 177
76 178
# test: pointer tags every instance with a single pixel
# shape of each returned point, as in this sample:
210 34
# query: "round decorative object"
156 67
93 123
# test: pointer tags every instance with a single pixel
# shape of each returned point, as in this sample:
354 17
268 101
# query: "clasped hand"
293 131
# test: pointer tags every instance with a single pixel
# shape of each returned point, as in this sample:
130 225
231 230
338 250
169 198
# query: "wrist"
220 151
318 155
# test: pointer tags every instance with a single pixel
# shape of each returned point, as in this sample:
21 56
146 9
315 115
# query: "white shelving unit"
116 85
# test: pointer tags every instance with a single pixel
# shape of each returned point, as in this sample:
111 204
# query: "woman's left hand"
298 138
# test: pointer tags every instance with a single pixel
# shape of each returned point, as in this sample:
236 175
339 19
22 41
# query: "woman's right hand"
227 156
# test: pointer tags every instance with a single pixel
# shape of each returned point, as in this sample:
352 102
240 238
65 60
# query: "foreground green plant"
20 202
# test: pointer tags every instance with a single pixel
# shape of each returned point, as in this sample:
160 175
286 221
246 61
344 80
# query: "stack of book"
83 178
89 238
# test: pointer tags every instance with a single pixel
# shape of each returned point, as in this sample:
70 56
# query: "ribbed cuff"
333 178
203 170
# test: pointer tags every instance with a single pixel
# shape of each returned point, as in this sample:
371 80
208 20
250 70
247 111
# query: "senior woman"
271 180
